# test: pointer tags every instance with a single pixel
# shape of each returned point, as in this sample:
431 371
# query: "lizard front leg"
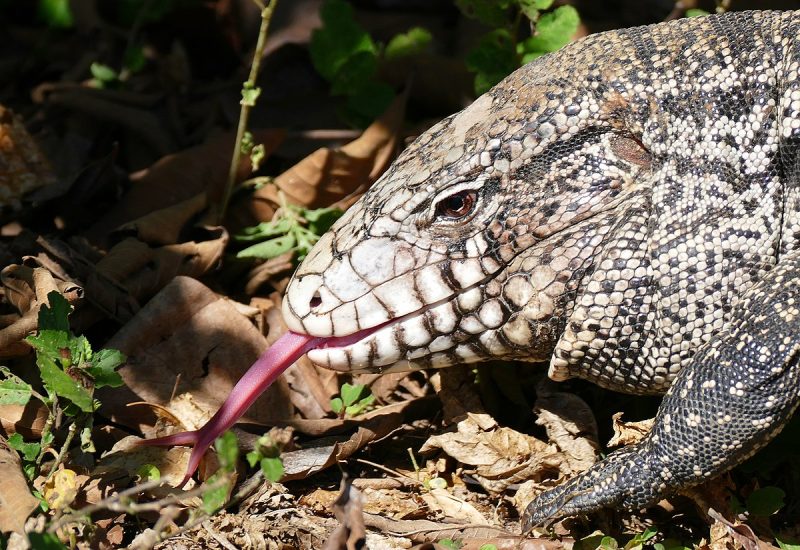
731 400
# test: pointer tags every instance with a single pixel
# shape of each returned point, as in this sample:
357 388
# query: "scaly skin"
626 209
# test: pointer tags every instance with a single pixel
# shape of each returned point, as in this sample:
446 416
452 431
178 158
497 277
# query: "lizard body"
627 209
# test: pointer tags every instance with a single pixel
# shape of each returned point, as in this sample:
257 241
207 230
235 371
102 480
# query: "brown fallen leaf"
454 508
726 534
628 433
570 424
328 450
327 176
23 167
189 340
348 509
143 270
179 177
28 420
27 289
500 456
16 500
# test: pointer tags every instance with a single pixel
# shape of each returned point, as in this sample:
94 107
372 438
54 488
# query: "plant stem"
64 449
244 113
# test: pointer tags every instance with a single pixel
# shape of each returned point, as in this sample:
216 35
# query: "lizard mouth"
376 347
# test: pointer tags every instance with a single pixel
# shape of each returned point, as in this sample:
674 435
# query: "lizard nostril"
315 301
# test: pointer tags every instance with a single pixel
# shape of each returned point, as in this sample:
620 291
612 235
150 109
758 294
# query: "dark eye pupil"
458 205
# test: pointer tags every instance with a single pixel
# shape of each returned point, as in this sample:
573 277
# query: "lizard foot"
623 479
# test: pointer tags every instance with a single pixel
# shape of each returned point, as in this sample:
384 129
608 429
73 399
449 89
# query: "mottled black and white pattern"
626 209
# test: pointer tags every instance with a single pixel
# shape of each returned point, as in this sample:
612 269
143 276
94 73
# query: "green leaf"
695 12
103 73
253 458
281 226
134 59
354 73
351 393
29 450
492 60
639 539
45 541
87 445
227 451
336 405
148 472
609 543
765 501
785 545
450 544
257 155
250 95
413 42
321 219
272 468
215 499
56 13
80 352
553 31
268 249
492 13
367 103
103 368
61 384
488 547
338 40
56 316
14 391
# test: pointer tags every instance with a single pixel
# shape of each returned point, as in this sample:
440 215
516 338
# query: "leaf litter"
107 204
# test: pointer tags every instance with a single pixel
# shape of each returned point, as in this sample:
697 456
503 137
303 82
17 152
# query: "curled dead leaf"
16 500
348 509
500 456
628 433
570 424
327 176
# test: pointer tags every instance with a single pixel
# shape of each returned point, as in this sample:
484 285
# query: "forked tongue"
278 357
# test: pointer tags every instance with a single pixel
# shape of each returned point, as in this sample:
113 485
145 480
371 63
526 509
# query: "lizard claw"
622 479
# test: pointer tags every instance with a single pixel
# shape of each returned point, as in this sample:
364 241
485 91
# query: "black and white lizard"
628 209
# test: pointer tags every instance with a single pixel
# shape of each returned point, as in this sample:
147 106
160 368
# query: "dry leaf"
570 424
189 340
628 433
500 456
23 167
441 500
348 509
27 420
62 488
329 175
179 177
16 500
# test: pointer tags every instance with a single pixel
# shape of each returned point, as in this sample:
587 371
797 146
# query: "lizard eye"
458 205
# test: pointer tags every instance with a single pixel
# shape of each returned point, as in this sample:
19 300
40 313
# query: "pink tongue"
279 357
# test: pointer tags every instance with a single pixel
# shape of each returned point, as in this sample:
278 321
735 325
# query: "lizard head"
473 244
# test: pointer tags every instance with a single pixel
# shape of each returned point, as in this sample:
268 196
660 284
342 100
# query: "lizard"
626 209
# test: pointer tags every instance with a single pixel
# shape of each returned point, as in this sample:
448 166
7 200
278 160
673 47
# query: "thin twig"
244 112
64 449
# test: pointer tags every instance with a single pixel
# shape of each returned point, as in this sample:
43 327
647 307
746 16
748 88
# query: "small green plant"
354 400
347 57
70 372
267 456
293 228
56 14
765 501
450 544
501 51
221 482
